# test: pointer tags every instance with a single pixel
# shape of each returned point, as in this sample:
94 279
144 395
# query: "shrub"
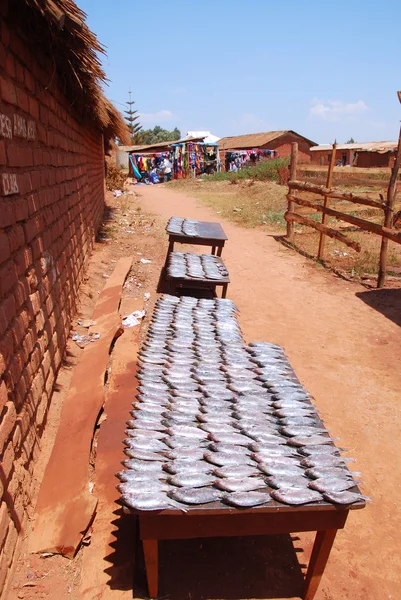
267 170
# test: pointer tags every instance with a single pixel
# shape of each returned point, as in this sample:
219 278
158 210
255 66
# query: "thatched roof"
56 29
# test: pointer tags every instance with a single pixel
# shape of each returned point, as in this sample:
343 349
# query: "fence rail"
327 193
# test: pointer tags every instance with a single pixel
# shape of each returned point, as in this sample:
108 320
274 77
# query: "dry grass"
250 203
263 204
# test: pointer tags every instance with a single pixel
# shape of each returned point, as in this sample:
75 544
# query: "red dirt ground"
344 344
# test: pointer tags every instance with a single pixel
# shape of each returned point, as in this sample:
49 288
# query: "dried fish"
312 440
187 431
332 484
246 499
286 481
143 454
146 501
331 471
244 484
325 460
221 459
146 486
143 466
296 496
319 450
190 454
280 469
188 495
184 466
344 497
230 438
145 443
236 471
190 479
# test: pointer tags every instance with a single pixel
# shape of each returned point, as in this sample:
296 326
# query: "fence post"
293 176
329 183
388 214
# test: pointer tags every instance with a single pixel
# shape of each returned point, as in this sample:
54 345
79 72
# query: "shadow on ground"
385 301
214 568
236 567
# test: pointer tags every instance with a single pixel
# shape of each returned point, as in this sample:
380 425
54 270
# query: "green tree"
132 119
350 141
157 134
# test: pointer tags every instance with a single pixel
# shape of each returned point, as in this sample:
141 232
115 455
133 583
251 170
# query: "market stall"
148 163
195 157
236 159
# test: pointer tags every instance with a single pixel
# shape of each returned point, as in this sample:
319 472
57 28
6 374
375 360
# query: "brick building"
272 140
366 154
54 125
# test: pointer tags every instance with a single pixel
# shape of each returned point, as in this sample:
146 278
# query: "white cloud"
157 117
337 110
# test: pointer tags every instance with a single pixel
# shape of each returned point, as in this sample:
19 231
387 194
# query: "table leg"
213 249
219 250
150 551
224 290
169 250
320 554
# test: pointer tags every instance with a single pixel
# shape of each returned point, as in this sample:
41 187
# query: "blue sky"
232 67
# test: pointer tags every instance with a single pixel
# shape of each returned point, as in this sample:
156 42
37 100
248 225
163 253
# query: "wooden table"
219 520
174 283
210 234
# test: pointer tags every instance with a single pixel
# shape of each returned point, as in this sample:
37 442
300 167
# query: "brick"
29 81
5 250
35 302
4 522
16 237
8 277
3 159
19 156
3 395
6 213
21 209
7 345
23 260
31 228
21 292
7 423
22 97
11 541
8 91
10 65
19 69
7 312
7 459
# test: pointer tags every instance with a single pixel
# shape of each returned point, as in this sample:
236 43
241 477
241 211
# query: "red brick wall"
283 145
364 159
51 203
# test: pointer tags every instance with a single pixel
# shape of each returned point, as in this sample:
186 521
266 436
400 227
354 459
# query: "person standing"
167 168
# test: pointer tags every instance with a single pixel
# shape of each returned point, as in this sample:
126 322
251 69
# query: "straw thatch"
57 29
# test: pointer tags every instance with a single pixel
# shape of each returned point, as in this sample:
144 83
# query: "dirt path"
347 354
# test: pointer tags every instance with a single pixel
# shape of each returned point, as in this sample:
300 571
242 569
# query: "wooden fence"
327 193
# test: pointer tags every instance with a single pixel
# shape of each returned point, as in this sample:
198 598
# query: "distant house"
366 154
280 141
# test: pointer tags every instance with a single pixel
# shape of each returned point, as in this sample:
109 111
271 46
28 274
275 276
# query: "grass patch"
269 170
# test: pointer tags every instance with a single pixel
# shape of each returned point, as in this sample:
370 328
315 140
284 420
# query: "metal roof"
255 140
380 147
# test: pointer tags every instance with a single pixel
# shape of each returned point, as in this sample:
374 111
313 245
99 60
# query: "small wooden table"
219 520
174 283
210 234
